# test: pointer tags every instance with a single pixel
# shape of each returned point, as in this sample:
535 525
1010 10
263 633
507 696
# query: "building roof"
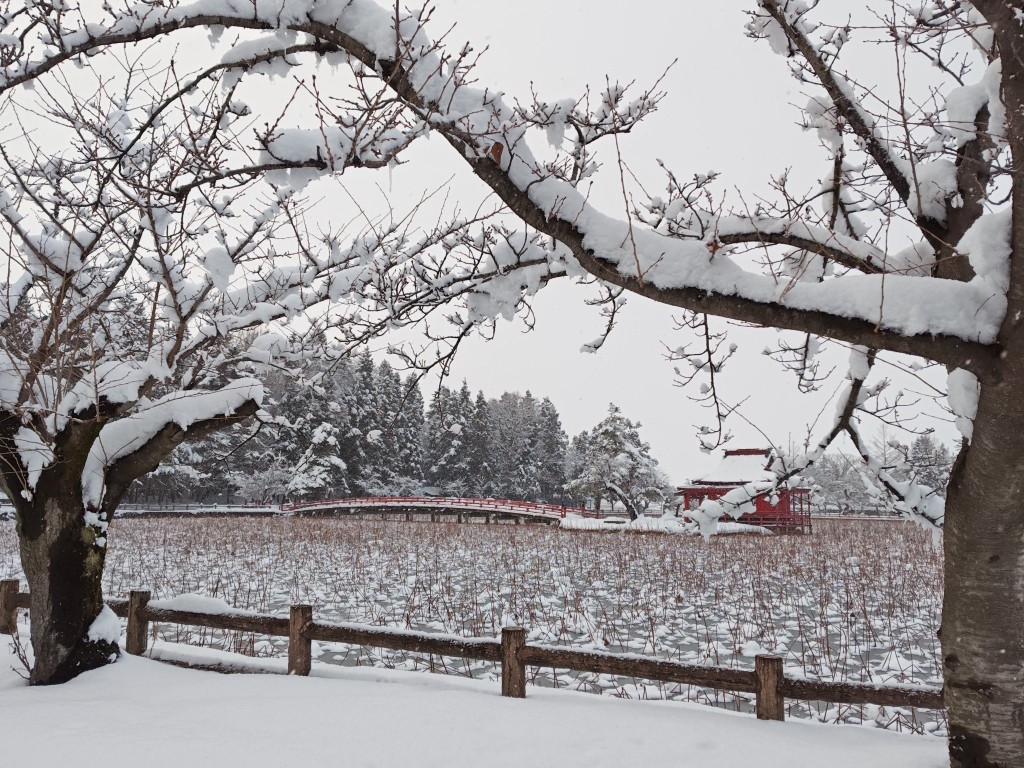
739 466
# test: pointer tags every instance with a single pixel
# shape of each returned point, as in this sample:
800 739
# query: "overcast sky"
730 109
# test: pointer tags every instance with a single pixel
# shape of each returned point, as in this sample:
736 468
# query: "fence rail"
767 681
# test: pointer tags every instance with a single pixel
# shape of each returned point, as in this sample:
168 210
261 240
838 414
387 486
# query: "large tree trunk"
61 553
983 611
64 567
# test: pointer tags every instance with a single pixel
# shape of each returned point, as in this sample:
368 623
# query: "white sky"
728 109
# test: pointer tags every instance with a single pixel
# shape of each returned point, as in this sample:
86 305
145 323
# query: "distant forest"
360 429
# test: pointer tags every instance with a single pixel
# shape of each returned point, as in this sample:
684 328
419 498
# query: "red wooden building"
791 510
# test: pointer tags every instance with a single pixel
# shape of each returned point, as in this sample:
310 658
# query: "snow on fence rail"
767 681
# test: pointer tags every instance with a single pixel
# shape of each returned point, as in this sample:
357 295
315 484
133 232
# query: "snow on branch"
788 30
132 434
944 320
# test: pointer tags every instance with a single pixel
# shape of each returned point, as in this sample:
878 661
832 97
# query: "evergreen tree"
930 462
358 428
619 463
364 423
458 452
346 403
514 471
576 461
479 448
550 447
447 460
380 471
435 439
319 472
302 449
409 428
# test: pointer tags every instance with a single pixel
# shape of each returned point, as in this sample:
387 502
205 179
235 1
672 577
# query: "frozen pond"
855 601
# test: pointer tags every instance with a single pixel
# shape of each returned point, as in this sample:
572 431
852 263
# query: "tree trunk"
617 493
983 611
64 568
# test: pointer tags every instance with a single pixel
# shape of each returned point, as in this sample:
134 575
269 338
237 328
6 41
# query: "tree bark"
63 565
983 610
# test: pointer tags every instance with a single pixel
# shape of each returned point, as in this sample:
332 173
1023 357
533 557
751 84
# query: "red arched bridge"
437 506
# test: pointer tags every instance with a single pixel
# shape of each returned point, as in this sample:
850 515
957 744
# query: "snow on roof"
743 465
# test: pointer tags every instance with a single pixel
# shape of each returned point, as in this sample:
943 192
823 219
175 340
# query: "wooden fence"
767 681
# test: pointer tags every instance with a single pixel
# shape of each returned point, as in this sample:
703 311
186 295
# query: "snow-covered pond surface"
854 601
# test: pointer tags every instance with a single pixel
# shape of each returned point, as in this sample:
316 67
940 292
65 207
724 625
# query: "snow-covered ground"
140 711
851 602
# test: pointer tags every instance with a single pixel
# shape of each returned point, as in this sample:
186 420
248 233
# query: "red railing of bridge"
441 503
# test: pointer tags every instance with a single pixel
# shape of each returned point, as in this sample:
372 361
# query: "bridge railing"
768 681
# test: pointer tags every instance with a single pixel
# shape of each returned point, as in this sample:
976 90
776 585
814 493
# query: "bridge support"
408 517
433 517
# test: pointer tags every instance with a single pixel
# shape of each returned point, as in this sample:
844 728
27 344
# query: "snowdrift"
169 717
672 525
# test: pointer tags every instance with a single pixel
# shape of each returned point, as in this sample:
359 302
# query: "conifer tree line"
360 429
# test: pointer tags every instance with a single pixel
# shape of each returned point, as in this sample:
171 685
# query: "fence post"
8 611
771 704
136 635
300 648
513 671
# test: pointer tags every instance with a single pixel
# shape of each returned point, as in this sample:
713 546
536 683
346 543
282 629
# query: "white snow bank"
577 523
658 525
727 527
652 525
377 717
199 510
